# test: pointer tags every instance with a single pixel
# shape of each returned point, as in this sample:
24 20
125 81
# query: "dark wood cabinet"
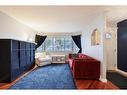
22 57
16 57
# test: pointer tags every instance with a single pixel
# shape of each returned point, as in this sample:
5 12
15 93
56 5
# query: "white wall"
94 51
95 21
12 29
111 47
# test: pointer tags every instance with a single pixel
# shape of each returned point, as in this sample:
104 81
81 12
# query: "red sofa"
84 67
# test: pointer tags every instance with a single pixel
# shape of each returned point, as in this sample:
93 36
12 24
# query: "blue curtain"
39 40
77 40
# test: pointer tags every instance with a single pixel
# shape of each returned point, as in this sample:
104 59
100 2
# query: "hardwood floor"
80 84
94 84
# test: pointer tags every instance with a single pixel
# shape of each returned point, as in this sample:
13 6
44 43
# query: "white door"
111 49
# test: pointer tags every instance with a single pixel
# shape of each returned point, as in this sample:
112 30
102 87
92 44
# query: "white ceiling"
62 18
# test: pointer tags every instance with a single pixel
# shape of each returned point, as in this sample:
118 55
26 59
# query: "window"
58 44
48 45
68 44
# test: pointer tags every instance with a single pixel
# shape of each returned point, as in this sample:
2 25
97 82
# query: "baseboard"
122 72
103 80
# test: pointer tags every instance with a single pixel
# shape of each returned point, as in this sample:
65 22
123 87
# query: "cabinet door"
15 45
15 66
23 57
5 61
22 45
28 45
32 54
28 59
23 62
4 67
27 55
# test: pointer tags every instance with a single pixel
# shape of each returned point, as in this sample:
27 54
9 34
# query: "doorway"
111 49
122 46
117 55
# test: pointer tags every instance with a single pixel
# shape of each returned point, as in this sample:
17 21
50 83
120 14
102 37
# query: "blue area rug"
54 76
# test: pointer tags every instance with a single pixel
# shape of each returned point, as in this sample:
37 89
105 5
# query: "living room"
98 23
83 31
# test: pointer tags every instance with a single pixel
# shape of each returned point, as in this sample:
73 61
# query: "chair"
42 59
